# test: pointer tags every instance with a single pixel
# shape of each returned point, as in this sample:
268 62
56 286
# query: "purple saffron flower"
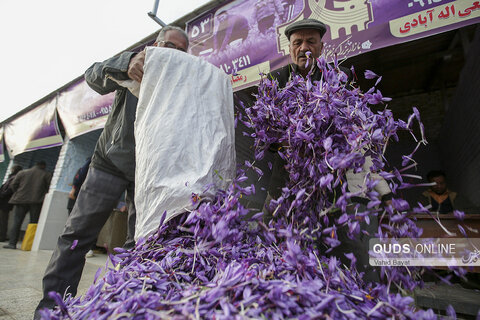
462 231
351 257
327 143
342 219
74 244
370 74
451 314
307 54
460 215
400 204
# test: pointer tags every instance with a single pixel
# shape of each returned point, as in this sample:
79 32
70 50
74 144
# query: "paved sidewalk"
21 275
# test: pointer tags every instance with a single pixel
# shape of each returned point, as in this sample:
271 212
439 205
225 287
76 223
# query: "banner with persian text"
82 110
2 155
246 37
36 129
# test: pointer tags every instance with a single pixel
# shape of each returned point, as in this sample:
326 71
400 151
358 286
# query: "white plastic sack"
184 133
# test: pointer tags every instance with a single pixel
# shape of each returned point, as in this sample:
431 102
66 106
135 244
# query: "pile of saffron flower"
224 261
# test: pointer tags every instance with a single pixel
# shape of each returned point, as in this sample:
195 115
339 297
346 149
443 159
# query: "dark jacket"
80 176
446 206
78 181
6 193
279 174
284 74
115 149
30 186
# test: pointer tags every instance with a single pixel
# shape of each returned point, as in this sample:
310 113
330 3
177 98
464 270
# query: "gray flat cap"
306 24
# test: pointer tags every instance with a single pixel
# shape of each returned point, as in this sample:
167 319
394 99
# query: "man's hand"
71 195
135 67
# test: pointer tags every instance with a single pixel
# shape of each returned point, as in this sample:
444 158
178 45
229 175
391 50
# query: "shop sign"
246 37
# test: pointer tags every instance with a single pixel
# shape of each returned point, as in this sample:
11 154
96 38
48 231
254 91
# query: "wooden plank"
438 297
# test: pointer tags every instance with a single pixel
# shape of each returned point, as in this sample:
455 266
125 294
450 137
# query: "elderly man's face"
175 40
302 41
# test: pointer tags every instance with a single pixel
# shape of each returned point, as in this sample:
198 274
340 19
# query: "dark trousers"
359 245
71 203
3 224
19 213
278 180
97 198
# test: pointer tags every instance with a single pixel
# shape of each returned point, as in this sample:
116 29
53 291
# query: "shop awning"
246 37
36 129
83 110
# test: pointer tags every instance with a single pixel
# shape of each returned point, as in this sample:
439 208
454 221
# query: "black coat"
6 193
279 174
284 74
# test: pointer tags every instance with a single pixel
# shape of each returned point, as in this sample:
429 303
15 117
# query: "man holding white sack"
111 172
184 135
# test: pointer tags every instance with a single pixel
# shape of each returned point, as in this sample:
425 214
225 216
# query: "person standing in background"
439 197
29 189
77 182
5 194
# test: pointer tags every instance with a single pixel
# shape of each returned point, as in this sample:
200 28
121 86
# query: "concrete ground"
21 274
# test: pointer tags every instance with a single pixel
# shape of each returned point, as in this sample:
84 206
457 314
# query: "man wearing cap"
304 36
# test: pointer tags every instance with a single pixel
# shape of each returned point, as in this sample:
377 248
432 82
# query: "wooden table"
431 229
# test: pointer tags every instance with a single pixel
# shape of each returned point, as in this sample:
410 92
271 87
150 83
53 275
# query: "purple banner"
37 129
2 154
82 110
247 36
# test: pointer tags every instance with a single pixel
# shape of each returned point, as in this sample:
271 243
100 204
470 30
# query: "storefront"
437 75
83 114
420 50
72 156
62 129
